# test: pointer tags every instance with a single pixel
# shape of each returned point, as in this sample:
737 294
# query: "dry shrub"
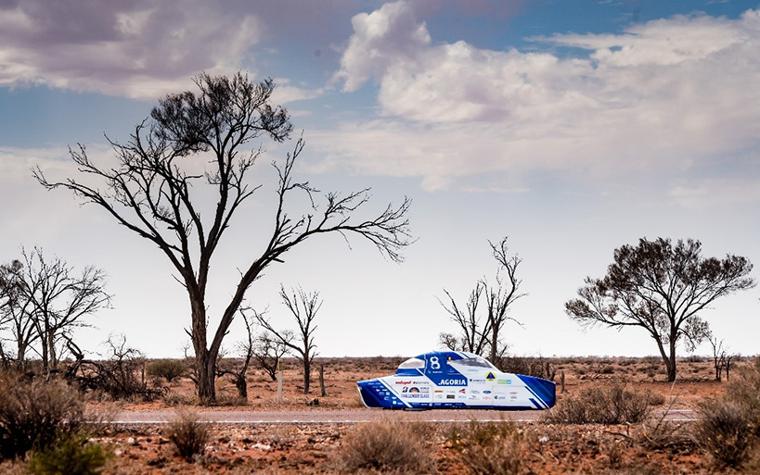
613 404
69 455
724 432
729 427
34 414
385 446
496 448
167 369
188 434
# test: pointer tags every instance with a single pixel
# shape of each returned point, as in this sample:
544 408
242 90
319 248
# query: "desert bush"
489 448
188 434
70 455
744 391
384 446
33 414
167 369
724 431
729 427
613 404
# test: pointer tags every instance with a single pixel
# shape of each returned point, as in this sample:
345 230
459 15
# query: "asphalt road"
348 416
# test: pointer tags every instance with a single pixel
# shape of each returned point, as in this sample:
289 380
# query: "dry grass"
385 446
188 435
614 404
490 448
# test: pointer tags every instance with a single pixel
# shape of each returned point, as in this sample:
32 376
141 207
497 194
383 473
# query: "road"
348 416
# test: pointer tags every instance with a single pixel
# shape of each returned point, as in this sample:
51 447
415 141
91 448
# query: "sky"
572 127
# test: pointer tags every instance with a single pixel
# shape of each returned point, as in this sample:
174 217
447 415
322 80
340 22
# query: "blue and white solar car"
455 380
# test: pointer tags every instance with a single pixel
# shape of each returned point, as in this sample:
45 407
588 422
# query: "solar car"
455 380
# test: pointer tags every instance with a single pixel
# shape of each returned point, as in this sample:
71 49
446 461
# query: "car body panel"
455 380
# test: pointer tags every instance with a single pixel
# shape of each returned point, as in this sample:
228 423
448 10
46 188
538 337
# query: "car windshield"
412 363
477 361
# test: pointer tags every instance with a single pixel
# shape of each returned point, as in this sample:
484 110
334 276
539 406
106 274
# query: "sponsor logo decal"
486 392
463 390
453 382
490 376
450 396
504 381
475 391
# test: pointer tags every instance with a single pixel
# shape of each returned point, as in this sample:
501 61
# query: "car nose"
369 391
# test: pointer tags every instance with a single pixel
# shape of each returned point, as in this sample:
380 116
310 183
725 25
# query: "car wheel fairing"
455 380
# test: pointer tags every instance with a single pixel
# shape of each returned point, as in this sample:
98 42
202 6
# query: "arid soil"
695 382
314 448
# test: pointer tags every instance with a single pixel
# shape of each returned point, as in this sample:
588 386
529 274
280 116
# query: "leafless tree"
16 316
247 351
60 300
719 355
480 333
303 307
268 350
501 295
661 287
152 192
473 330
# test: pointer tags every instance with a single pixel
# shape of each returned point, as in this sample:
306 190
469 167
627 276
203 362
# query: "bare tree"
16 315
473 330
268 350
60 300
480 333
152 193
247 350
502 294
719 355
303 307
661 287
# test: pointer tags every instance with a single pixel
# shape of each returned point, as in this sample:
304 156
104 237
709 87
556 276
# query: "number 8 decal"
434 364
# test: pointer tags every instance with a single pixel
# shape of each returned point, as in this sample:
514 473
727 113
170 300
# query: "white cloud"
136 48
661 97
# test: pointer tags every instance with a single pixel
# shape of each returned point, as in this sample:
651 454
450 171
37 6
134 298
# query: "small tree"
303 307
268 350
480 333
473 330
246 349
661 287
718 354
16 316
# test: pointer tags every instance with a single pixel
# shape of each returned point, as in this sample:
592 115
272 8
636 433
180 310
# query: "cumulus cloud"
664 95
134 48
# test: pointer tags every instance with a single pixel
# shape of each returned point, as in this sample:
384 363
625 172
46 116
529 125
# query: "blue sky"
573 127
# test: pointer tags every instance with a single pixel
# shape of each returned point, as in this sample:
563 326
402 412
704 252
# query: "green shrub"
189 435
167 369
34 414
384 446
613 404
71 455
490 448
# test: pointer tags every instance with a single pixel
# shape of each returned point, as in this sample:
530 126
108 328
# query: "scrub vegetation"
45 429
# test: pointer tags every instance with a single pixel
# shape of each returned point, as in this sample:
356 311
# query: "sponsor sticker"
486 392
504 381
453 382
450 396
490 376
